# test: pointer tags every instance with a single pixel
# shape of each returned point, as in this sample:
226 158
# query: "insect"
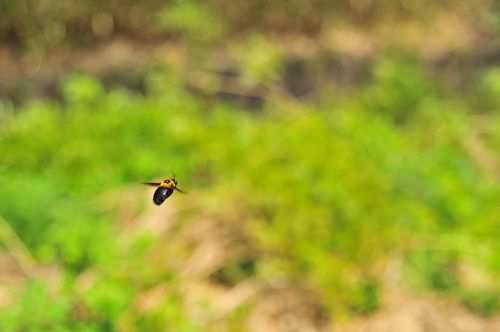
164 190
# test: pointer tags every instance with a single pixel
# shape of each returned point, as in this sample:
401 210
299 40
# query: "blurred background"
342 160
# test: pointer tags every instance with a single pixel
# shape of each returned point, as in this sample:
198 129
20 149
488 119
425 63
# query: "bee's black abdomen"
161 194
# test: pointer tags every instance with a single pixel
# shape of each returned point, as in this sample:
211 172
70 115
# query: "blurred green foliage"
394 182
328 196
37 26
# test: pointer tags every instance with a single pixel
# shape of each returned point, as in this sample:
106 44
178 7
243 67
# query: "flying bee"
164 190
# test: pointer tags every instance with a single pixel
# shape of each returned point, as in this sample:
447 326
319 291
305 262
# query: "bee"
165 189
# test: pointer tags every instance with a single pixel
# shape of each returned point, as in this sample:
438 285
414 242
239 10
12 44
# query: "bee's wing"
181 191
155 184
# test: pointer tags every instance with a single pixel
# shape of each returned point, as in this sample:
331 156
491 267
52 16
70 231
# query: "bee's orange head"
169 183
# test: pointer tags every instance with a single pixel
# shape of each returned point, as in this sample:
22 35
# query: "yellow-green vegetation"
332 151
328 197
